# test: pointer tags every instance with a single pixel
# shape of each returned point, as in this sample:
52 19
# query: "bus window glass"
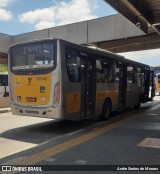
129 74
98 71
105 70
118 64
33 56
135 75
73 65
140 76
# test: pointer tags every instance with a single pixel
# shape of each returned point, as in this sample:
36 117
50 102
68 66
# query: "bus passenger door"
87 87
152 84
122 85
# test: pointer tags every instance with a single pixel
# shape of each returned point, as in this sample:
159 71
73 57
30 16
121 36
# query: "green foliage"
3 68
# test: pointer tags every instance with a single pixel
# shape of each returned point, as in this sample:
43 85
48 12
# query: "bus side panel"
104 91
71 91
133 94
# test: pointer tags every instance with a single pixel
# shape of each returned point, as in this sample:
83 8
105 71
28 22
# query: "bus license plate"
31 99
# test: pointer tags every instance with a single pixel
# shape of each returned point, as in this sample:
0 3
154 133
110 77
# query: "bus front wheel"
106 111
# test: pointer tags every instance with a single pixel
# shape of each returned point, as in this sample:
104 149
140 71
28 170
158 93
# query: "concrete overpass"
98 31
137 29
144 14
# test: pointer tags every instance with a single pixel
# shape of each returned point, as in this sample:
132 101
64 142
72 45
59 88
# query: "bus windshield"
33 56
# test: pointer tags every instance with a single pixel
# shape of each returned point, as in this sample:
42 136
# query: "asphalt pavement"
130 142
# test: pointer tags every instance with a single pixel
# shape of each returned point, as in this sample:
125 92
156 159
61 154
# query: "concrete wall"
111 28
5 42
41 34
96 30
76 33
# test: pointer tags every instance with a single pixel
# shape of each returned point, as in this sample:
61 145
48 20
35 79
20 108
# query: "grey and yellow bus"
4 90
61 80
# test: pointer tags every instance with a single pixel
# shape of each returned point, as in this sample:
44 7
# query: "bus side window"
112 71
98 70
139 77
3 80
129 74
105 70
73 65
135 75
117 73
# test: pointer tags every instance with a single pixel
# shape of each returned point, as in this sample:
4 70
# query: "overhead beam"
139 12
131 44
127 10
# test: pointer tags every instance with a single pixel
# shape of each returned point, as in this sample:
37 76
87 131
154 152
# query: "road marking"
42 143
155 107
150 142
81 162
76 132
51 159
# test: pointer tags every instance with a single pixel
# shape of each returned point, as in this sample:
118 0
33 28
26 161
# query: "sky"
22 16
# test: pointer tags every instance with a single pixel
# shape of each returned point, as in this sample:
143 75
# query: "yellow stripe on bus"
73 102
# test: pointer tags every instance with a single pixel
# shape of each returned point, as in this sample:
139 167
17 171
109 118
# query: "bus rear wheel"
106 111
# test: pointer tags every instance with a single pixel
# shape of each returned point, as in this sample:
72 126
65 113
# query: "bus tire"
106 111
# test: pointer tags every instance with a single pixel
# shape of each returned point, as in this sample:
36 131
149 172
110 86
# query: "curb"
5 110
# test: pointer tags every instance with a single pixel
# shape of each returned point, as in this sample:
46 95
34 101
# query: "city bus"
53 78
4 90
157 83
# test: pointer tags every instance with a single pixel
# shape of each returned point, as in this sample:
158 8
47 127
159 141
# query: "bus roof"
94 50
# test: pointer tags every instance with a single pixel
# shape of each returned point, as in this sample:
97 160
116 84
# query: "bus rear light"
56 94
43 99
49 111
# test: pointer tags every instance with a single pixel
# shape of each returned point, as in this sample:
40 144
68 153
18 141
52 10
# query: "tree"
3 68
